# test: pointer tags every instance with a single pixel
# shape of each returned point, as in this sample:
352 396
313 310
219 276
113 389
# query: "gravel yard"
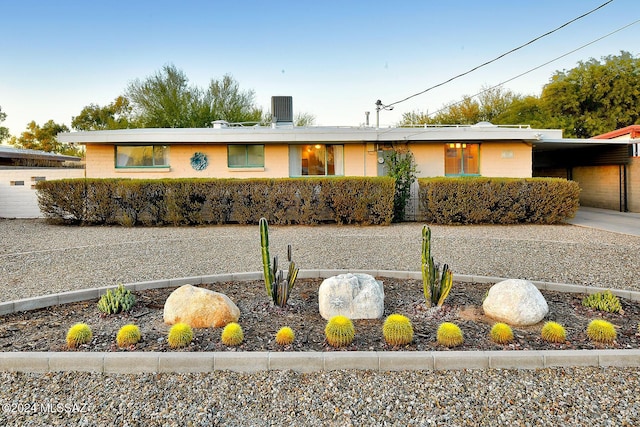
37 258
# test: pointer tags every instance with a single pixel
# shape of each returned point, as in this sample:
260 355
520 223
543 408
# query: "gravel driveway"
37 258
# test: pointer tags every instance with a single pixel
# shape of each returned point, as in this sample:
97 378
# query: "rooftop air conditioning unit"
282 110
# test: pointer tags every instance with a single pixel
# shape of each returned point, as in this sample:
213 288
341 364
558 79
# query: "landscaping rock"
199 308
357 296
516 302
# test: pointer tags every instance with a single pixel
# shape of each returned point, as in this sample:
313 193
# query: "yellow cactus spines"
449 335
397 330
180 335
128 335
285 336
553 332
339 331
601 331
79 334
501 333
232 335
603 301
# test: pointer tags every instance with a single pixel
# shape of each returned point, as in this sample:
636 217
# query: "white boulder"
516 302
357 296
199 308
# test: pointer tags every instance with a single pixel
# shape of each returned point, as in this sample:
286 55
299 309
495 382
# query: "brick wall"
600 186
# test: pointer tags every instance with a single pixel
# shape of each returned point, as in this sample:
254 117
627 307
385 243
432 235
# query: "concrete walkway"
608 220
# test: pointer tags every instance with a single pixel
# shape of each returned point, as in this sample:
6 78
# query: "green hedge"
131 202
497 200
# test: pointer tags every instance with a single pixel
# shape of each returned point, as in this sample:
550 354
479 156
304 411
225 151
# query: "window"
635 150
142 156
245 156
316 160
461 159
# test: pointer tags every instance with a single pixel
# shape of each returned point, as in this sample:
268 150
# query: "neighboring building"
20 169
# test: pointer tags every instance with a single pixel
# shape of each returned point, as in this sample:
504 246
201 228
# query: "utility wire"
535 68
501 56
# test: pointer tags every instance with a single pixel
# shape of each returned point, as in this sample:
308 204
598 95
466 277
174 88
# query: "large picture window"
245 156
316 160
462 159
142 156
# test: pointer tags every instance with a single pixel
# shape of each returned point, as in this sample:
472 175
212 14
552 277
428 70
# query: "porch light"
452 145
458 145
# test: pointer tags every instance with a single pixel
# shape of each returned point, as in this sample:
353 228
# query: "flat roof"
7 152
301 135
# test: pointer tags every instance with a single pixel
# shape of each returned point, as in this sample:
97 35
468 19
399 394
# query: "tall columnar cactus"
278 288
436 286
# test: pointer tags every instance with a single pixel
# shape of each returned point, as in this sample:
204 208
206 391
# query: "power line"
535 68
501 56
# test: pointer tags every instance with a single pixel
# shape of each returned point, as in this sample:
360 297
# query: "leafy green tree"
4 131
527 110
304 119
165 99
45 138
595 97
117 115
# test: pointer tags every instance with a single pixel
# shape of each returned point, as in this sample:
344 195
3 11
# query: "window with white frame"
316 160
245 156
142 156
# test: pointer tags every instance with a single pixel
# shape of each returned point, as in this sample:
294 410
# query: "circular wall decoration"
199 161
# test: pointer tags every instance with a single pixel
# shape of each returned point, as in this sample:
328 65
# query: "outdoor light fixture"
380 106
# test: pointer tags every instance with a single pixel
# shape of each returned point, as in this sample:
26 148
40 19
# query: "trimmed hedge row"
133 202
497 200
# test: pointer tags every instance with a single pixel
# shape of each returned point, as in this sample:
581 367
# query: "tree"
304 119
595 97
44 138
117 115
228 102
165 99
402 167
4 131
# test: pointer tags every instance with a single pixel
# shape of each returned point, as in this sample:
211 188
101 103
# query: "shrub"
474 200
501 333
128 335
436 287
603 301
449 335
232 335
553 332
339 331
601 331
402 168
198 201
79 334
121 299
180 335
397 330
285 336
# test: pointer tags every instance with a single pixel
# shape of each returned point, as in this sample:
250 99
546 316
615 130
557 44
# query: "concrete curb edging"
186 362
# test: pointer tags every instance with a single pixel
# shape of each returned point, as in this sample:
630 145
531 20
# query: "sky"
335 58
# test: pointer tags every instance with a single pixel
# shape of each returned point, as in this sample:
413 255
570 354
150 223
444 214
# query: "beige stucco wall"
507 159
100 163
429 159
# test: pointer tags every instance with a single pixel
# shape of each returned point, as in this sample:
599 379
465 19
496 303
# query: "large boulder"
199 308
516 302
357 296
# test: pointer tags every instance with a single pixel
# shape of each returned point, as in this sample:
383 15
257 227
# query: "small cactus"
397 330
339 331
78 334
601 331
232 334
449 335
553 332
285 336
119 300
603 301
128 335
180 335
501 333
